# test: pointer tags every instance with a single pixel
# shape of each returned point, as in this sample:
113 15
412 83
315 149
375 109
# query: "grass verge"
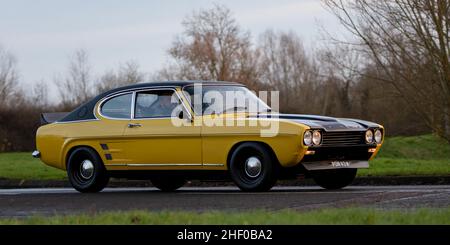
21 165
406 167
413 155
346 216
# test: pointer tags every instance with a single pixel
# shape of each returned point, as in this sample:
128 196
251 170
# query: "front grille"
344 138
339 153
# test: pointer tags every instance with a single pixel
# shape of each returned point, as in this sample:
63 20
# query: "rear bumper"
36 154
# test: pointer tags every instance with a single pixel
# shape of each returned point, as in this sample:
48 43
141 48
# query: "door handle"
134 125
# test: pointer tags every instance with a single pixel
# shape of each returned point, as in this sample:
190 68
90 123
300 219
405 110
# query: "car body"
125 133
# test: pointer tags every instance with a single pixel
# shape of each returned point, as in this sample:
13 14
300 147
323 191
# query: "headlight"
378 136
369 136
307 138
317 137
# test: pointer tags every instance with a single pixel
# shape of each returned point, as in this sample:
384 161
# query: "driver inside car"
161 107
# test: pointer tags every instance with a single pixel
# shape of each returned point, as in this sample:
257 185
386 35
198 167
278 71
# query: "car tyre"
86 171
253 167
333 179
168 184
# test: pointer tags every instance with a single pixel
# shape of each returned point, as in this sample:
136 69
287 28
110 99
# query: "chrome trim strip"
243 134
102 101
159 135
165 164
133 106
162 164
213 84
213 164
186 102
343 129
142 88
184 105
133 103
76 121
121 138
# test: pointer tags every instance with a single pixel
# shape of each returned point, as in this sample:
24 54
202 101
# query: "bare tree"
286 67
76 87
408 41
8 76
39 95
340 65
212 47
127 74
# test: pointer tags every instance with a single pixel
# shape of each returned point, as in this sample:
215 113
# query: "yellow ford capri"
171 132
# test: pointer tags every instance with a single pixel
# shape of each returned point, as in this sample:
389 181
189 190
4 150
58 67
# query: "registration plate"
340 164
335 164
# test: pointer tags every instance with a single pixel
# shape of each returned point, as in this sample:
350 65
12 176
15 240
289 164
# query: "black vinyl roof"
167 84
86 110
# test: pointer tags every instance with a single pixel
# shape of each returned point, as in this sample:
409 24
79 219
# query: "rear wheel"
168 184
334 178
252 167
86 171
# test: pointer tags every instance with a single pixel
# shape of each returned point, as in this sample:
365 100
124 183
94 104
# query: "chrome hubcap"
253 167
86 169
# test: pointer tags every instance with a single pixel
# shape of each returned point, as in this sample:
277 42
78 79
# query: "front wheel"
86 171
253 168
334 178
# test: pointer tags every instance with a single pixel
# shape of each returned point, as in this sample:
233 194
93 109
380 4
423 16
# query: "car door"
157 137
114 112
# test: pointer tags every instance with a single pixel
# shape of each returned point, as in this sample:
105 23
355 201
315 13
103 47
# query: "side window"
156 103
118 107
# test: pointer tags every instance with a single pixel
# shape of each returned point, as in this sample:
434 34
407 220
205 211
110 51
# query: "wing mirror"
185 116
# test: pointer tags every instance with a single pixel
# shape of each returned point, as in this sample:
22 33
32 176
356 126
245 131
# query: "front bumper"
335 164
339 153
321 158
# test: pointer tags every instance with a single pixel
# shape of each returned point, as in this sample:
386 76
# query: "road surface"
50 201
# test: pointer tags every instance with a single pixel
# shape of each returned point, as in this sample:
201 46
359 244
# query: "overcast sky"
42 34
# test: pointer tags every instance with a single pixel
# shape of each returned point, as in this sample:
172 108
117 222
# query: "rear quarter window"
117 107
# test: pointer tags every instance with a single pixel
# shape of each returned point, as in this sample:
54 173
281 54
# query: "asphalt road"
26 202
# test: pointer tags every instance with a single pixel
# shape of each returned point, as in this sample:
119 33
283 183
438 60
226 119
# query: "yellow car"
171 132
